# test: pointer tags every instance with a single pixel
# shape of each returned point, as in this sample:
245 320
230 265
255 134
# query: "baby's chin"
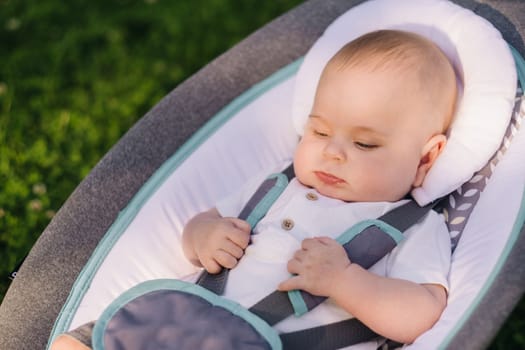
356 197
334 194
346 195
327 191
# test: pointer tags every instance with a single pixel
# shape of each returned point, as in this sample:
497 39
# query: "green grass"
75 75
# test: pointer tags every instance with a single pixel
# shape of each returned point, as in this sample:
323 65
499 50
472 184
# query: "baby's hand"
317 266
215 242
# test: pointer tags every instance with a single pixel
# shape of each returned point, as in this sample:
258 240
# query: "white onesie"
301 212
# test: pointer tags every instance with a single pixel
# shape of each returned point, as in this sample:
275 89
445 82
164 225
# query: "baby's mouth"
328 179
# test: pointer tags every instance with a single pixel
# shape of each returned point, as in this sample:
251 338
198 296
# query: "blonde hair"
407 53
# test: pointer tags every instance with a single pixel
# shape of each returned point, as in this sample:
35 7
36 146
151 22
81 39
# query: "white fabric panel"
259 137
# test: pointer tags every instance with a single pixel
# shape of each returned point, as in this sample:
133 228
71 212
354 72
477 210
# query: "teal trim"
267 201
299 306
520 65
353 231
264 329
150 187
517 229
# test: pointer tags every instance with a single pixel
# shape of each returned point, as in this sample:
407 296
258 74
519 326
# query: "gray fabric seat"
42 285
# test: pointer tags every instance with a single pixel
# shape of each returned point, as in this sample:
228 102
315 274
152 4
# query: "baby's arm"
66 342
396 309
214 242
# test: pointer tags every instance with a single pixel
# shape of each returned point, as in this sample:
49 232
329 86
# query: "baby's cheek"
302 159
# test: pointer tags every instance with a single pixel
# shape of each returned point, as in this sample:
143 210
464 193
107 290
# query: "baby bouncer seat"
231 120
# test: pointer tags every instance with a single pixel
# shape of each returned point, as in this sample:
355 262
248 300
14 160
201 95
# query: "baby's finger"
299 255
233 249
290 284
239 237
309 243
225 259
294 266
326 240
211 266
241 224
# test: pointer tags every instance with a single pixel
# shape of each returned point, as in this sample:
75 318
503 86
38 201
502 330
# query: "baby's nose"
335 150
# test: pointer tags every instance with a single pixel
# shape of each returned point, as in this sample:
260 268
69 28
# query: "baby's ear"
429 154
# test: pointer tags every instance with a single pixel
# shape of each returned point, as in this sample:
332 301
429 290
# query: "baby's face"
365 136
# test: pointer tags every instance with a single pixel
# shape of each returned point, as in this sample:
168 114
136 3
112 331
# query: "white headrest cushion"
481 58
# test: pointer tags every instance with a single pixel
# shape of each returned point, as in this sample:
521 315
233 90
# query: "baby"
378 123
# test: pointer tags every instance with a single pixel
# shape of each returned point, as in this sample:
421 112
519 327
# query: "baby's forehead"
376 63
392 50
375 67
392 96
397 76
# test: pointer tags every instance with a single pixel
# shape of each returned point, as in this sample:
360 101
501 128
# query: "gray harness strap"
365 249
332 336
217 282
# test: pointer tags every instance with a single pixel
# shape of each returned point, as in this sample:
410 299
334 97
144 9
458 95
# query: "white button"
312 196
287 224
